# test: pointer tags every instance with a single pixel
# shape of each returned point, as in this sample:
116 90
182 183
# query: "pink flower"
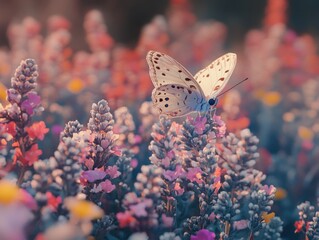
221 126
107 186
167 221
241 224
37 130
195 175
139 210
112 171
178 189
93 175
199 124
204 234
172 175
126 219
269 189
116 150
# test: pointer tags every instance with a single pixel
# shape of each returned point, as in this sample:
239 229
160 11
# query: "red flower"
299 225
37 130
29 157
53 201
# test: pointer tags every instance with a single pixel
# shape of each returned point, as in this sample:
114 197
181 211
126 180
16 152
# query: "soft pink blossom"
241 224
139 210
112 171
179 190
107 186
269 189
172 175
93 175
167 221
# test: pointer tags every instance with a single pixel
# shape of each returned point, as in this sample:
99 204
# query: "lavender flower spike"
101 118
25 77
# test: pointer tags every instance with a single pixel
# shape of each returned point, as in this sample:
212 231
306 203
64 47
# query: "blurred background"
88 50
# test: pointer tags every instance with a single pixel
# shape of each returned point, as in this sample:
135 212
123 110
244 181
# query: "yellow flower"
267 216
271 98
280 193
3 93
9 192
75 85
305 133
83 209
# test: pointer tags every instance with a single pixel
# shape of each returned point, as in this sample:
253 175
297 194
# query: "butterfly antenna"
232 87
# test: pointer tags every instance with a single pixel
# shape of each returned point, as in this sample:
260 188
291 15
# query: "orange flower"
37 130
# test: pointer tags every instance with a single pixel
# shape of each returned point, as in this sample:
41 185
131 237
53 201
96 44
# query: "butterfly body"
177 92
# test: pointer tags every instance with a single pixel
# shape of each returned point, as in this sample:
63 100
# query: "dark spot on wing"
190 92
207 75
187 79
157 67
173 86
222 79
217 87
161 100
179 71
163 74
159 55
166 99
156 62
156 58
166 105
192 86
226 71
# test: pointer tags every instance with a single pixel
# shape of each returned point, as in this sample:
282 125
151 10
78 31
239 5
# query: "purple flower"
204 234
195 175
32 101
93 175
172 175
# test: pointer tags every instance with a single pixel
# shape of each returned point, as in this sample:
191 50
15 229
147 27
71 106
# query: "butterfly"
177 92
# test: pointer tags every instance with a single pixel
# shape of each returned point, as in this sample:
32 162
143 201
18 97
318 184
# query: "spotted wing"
175 100
215 76
165 70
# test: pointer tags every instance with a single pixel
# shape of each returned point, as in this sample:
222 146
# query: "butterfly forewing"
215 76
176 100
165 70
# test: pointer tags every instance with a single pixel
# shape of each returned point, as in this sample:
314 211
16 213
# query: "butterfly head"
213 102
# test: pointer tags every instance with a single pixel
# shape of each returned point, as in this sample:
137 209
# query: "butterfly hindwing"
176 100
165 70
215 76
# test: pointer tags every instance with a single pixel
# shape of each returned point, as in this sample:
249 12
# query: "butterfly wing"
165 70
175 100
215 76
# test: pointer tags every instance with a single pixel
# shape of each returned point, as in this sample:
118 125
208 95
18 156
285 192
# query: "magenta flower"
107 186
112 171
195 175
31 103
93 175
204 234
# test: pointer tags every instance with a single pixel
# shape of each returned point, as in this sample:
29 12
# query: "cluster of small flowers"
308 225
200 184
